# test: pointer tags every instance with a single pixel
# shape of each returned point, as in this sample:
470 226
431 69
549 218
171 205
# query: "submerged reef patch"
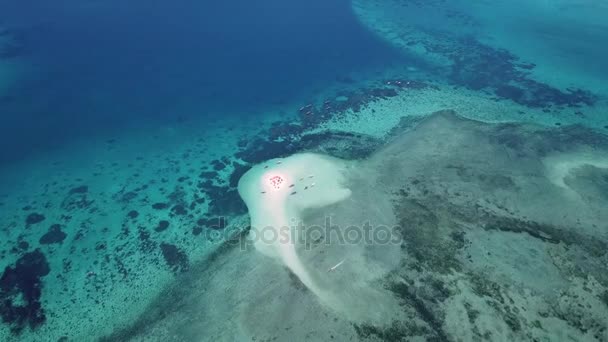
176 259
34 218
77 198
286 138
478 66
54 235
450 44
20 292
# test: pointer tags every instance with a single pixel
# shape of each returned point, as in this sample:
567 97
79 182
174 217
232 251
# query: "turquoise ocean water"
476 131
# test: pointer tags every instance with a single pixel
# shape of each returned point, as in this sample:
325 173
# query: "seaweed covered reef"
452 42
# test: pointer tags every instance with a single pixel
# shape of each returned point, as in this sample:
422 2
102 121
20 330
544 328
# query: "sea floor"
485 254
492 167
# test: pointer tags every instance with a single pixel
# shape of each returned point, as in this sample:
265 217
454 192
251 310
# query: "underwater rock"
23 245
20 291
54 235
34 218
224 200
128 196
510 92
133 214
408 84
162 225
208 175
179 210
283 130
160 206
383 93
147 245
343 145
76 199
260 150
218 165
483 66
239 170
80 190
175 257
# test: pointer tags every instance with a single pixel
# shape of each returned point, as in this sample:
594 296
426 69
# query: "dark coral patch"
23 245
261 150
162 225
34 218
498 70
175 257
179 210
343 145
510 92
224 200
239 171
283 129
76 199
338 144
218 165
160 206
208 175
20 292
54 235
83 189
128 196
133 214
147 245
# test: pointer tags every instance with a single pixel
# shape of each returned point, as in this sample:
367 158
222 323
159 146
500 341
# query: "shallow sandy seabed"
492 249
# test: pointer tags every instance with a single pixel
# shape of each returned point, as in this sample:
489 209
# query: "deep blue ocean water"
100 66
